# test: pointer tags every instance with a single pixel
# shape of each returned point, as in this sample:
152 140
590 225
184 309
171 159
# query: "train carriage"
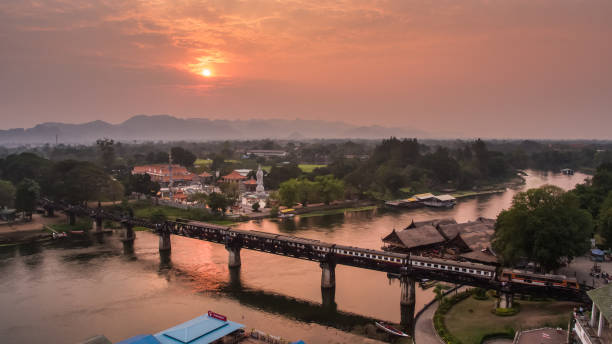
525 277
474 269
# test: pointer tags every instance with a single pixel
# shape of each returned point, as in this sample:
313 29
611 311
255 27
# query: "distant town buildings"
161 173
266 153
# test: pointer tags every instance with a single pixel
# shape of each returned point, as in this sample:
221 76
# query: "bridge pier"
505 300
328 275
328 298
165 245
71 218
99 224
234 256
407 284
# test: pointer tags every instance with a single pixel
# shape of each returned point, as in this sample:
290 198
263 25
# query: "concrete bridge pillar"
164 241
328 275
129 232
505 300
328 298
234 256
407 284
71 218
99 224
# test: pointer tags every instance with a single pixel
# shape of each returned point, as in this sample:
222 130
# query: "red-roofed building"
233 177
205 177
250 185
160 173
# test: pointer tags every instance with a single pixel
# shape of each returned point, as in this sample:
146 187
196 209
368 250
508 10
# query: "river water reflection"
63 292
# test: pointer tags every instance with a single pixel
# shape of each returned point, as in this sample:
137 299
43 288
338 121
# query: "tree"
544 225
604 223
107 153
158 216
7 194
288 192
255 206
182 156
25 165
330 188
76 181
28 192
142 184
218 203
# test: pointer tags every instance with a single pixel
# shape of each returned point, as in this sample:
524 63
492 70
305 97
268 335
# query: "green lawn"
306 168
471 319
202 162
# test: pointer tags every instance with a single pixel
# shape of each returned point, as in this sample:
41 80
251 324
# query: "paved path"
424 332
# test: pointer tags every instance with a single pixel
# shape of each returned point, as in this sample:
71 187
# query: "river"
66 291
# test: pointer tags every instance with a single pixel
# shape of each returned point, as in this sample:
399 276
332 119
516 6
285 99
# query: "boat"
390 329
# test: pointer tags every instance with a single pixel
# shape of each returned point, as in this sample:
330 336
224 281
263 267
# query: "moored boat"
390 329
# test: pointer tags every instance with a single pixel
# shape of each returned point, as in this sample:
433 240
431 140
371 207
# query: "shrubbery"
445 305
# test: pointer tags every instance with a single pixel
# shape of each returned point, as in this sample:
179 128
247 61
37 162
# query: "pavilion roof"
602 297
251 182
234 176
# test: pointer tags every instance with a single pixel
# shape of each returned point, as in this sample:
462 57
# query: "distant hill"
168 128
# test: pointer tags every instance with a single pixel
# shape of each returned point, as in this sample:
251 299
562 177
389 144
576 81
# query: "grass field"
202 162
471 319
306 168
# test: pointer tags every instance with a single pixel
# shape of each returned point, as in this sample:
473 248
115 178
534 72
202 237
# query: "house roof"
201 330
205 174
423 196
434 223
445 198
602 298
234 176
251 182
416 237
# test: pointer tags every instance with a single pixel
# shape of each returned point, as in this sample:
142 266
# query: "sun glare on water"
206 72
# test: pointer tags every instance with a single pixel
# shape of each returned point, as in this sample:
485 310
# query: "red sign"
217 316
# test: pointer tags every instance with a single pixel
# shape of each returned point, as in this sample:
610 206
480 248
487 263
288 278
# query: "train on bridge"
317 250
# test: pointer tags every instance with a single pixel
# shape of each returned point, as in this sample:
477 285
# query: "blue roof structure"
597 252
201 330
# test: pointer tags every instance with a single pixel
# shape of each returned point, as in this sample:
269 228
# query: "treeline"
550 227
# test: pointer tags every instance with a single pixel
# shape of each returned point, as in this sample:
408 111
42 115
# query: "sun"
206 72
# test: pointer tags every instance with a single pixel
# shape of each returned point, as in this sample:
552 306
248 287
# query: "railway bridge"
328 256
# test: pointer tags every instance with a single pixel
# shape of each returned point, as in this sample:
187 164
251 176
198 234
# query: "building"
266 153
595 329
417 238
250 185
233 177
205 177
470 241
161 173
205 329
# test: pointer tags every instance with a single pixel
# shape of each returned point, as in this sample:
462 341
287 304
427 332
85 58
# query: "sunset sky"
488 68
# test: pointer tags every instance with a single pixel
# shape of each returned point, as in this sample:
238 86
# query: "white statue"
260 187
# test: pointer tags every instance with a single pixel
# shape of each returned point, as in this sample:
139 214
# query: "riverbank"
20 232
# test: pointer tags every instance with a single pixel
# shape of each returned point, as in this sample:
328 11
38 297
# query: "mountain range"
169 128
